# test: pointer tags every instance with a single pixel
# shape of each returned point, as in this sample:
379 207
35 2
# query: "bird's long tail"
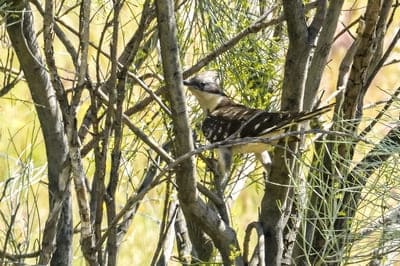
301 117
304 116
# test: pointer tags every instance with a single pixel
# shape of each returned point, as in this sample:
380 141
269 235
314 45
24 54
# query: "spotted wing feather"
225 121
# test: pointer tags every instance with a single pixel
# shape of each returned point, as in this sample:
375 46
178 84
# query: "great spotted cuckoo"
224 117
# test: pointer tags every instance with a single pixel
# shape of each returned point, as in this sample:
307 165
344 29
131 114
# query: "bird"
224 118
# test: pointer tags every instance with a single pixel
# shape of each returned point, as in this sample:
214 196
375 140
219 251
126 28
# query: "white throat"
208 101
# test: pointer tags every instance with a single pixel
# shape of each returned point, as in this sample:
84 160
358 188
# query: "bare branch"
146 139
377 118
60 34
392 217
323 47
362 59
23 38
193 207
7 88
382 60
10 226
117 93
48 35
79 176
258 256
16 257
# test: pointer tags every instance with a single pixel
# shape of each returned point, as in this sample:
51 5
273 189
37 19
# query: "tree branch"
321 53
23 38
193 207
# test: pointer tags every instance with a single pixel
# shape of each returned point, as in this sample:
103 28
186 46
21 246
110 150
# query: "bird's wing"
246 122
225 121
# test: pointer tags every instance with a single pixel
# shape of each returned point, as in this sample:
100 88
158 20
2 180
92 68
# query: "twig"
146 139
8 233
6 89
241 141
382 61
346 29
169 216
132 200
381 113
259 251
150 92
209 194
16 257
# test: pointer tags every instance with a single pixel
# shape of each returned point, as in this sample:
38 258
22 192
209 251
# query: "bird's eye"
202 84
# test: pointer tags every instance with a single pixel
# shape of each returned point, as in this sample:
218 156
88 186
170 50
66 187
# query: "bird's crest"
208 76
207 81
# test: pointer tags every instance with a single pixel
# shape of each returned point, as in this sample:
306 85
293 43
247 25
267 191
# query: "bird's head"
206 88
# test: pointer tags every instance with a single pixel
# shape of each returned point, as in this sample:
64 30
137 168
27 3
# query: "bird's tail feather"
300 117
304 116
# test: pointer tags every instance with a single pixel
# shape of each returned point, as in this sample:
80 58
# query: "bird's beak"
189 85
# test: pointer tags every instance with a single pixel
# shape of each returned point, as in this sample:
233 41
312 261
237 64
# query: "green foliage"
234 254
253 68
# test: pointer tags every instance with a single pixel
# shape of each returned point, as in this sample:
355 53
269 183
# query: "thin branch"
130 202
48 35
118 92
392 62
124 60
380 34
51 226
346 29
60 34
8 232
166 230
382 61
17 257
143 136
84 27
79 177
7 88
210 195
320 56
359 175
258 257
355 90
377 118
247 140
135 198
151 93
184 245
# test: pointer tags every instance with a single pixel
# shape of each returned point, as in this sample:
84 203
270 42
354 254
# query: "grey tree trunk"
194 209
23 38
278 198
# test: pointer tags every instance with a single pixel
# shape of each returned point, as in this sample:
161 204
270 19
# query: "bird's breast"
252 148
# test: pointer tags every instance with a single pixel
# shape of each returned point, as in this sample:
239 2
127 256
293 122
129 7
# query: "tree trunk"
278 198
23 38
194 209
